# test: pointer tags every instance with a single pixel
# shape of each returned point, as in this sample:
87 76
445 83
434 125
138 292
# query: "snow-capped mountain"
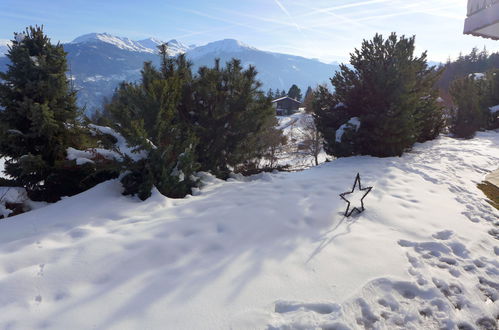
149 45
99 62
122 43
275 70
219 47
4 46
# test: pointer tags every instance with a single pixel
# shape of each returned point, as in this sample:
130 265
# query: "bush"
151 116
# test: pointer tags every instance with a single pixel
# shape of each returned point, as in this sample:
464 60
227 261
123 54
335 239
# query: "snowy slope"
146 45
271 251
175 47
4 46
218 47
120 42
294 127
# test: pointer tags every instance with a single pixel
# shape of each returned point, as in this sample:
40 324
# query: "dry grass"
492 192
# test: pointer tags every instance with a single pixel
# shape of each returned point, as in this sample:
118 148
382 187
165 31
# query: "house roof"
483 19
286 97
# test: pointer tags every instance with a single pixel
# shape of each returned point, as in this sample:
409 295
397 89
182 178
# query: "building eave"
484 23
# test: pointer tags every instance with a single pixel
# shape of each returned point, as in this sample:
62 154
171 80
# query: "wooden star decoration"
356 186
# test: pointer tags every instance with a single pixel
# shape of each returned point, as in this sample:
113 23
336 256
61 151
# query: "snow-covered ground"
269 252
295 127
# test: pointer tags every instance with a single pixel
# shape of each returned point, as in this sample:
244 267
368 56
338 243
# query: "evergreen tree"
472 98
390 91
270 94
295 93
153 116
277 93
39 118
230 113
309 100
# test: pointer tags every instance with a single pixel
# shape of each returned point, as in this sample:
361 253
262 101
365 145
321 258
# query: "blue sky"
324 29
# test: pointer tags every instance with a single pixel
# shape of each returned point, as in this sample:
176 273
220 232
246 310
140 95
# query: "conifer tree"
39 118
230 114
390 91
152 116
295 93
468 115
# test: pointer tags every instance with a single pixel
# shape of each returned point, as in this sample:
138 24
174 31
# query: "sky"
324 29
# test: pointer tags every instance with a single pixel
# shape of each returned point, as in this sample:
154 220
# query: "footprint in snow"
443 235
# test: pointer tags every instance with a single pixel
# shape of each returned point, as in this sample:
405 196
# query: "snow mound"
352 123
274 252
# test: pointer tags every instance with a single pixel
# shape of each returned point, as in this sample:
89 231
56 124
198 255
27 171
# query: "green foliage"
464 65
295 93
229 114
391 92
151 115
40 119
473 96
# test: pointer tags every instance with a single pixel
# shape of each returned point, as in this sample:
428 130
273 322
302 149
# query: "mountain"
275 70
98 62
4 47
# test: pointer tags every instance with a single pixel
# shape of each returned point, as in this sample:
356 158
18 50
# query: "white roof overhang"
483 19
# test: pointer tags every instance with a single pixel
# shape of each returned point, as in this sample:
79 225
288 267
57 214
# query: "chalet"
286 106
483 19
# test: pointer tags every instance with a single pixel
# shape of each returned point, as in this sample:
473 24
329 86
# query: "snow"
268 252
121 145
477 75
149 45
283 98
294 127
4 46
226 45
120 42
35 60
11 195
354 122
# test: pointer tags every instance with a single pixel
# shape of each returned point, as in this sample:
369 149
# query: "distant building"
483 19
286 106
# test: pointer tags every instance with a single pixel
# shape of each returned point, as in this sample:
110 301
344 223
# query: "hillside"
271 251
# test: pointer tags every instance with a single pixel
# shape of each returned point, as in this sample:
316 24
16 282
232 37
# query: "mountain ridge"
99 62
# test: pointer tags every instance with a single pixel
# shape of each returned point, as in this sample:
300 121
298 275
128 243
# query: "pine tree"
153 116
40 119
390 91
277 93
230 113
295 93
469 114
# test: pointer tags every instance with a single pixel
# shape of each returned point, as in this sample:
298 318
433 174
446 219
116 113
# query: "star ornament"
355 197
